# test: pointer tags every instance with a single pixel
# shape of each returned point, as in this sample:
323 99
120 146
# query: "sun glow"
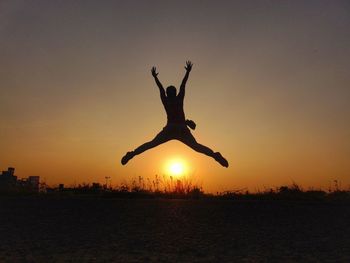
176 167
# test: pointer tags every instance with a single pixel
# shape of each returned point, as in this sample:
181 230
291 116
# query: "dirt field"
136 230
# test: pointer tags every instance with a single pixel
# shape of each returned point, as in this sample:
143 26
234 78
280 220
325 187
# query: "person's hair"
171 91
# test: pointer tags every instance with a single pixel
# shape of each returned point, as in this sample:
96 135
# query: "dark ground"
76 229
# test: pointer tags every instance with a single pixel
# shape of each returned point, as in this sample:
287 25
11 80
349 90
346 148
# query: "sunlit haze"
269 89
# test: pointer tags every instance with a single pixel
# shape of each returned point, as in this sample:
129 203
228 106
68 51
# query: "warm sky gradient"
270 89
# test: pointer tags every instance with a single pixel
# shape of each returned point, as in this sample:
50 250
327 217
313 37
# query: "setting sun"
176 167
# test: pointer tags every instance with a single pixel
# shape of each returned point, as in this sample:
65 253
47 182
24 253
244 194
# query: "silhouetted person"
176 127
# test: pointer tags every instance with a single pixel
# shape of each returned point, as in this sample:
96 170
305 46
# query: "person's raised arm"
160 86
188 68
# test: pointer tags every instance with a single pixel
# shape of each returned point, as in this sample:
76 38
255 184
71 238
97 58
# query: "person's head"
171 92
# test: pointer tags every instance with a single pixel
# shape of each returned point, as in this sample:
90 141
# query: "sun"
176 167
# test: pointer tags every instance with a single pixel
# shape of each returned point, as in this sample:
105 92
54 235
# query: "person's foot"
220 159
127 157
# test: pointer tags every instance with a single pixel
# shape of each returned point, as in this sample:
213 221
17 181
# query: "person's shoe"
127 157
220 159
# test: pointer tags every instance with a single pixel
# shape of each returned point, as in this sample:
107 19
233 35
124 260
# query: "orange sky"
269 89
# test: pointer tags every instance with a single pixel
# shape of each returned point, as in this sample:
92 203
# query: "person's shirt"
174 108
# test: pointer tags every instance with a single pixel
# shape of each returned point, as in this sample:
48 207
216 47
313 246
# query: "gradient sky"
270 89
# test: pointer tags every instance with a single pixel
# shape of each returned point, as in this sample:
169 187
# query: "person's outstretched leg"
159 139
190 141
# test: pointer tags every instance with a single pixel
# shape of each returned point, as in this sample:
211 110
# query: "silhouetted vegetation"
169 187
159 187
185 188
289 192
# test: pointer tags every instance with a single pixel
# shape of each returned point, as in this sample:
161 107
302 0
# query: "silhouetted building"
30 184
8 180
33 183
10 183
96 186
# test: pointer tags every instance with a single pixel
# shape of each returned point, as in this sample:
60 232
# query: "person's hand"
188 66
154 72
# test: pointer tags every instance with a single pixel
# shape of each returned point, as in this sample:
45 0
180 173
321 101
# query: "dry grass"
169 187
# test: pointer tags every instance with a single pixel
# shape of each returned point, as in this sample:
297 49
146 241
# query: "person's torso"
175 110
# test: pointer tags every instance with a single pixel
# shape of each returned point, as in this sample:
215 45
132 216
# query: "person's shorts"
175 131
